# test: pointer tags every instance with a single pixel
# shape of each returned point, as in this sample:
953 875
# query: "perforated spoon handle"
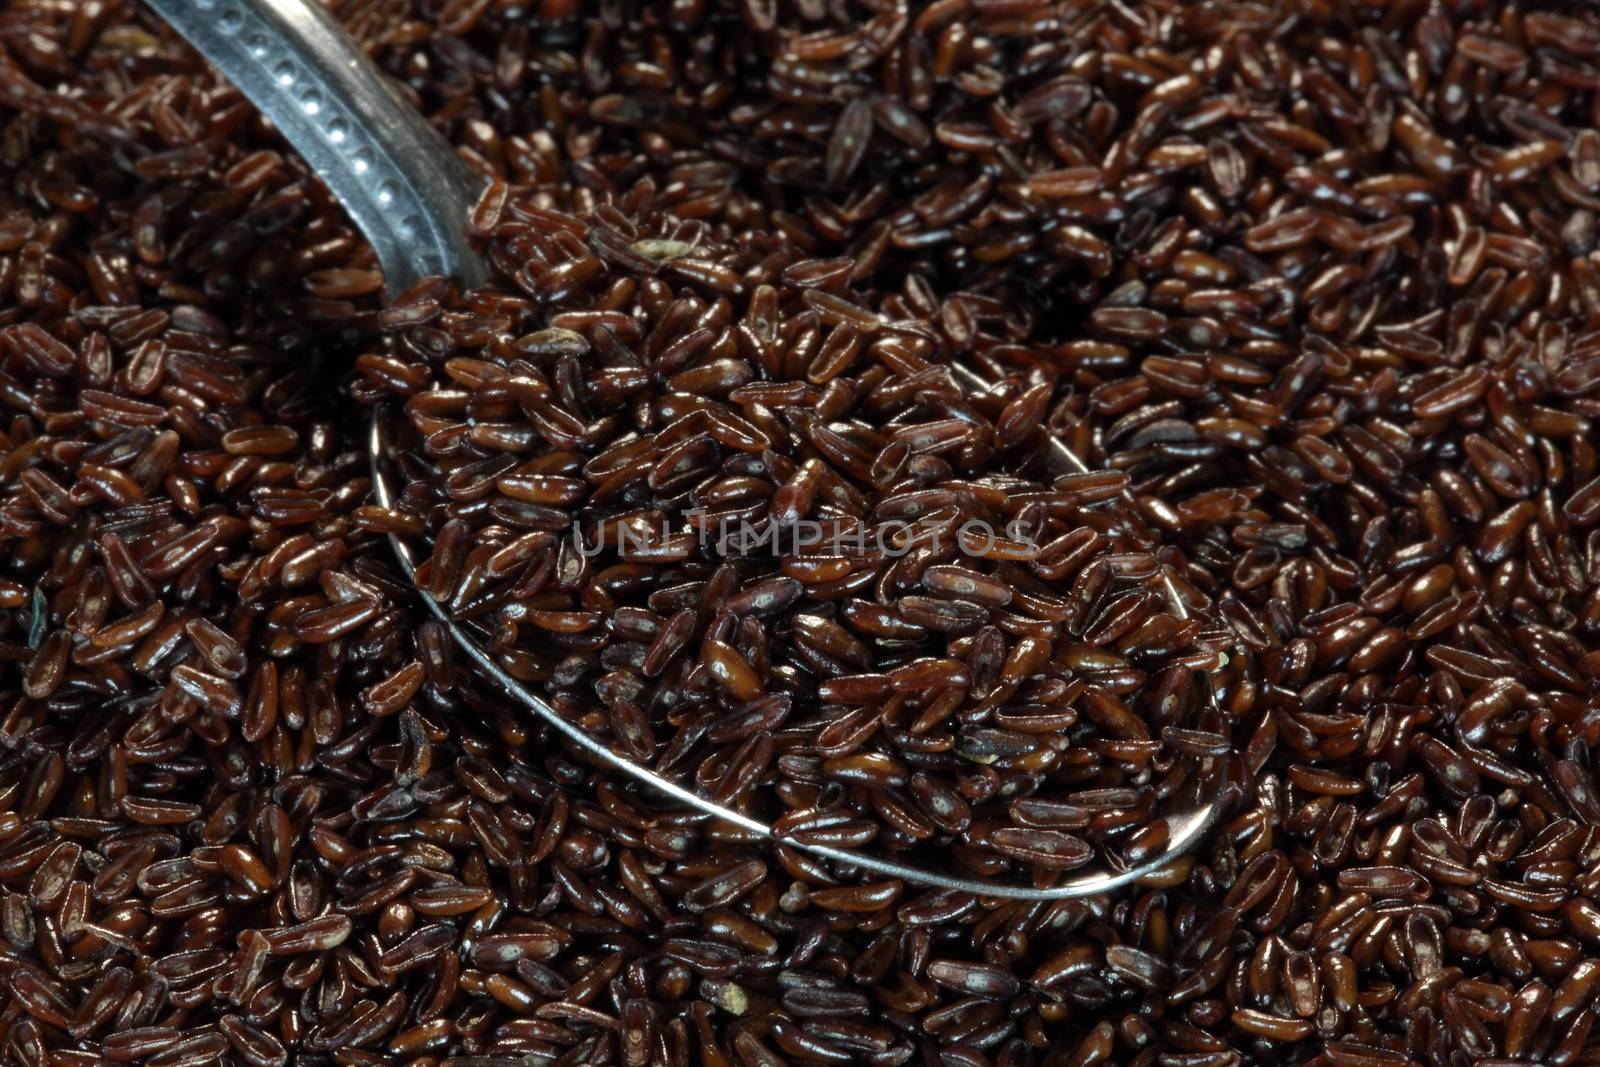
401 182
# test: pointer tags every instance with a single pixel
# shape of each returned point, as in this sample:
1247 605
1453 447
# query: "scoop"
409 193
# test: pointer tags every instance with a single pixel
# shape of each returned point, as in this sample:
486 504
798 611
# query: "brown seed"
1337 279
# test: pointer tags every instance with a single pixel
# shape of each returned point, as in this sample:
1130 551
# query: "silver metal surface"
403 185
409 193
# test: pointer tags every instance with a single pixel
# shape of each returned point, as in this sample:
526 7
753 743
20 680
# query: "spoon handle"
401 182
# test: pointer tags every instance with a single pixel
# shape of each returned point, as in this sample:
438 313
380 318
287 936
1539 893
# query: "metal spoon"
409 194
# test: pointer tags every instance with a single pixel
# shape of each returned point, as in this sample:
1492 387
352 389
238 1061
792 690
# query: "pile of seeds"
1319 281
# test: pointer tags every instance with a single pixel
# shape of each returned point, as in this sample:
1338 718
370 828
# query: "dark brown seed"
1312 289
